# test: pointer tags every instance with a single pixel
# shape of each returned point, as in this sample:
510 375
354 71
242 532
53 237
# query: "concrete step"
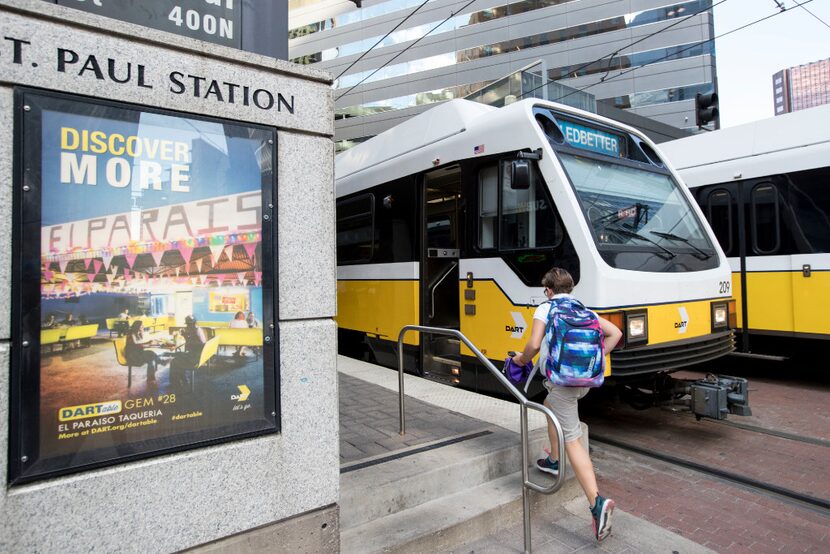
447 522
408 481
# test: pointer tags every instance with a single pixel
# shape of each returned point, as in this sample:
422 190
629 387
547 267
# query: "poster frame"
24 465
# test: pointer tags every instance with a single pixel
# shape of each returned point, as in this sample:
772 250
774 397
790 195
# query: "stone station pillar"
207 117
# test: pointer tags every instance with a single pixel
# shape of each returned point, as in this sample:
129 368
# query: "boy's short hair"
558 280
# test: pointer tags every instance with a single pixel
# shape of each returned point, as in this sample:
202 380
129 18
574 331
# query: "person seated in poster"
239 322
194 341
122 326
69 320
137 354
50 323
251 320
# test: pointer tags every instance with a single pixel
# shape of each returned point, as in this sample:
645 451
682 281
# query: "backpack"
574 339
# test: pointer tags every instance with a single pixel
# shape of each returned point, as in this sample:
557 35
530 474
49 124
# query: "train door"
723 208
746 218
439 272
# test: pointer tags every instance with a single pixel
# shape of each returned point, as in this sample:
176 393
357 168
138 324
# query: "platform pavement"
435 412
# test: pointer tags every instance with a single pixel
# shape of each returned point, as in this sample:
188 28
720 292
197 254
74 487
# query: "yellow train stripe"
785 301
379 307
499 326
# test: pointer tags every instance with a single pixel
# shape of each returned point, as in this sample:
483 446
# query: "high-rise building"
801 87
647 56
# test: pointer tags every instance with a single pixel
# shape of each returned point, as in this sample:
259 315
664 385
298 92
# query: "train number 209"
723 287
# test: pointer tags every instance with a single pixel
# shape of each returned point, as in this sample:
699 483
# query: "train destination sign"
146 284
217 21
580 136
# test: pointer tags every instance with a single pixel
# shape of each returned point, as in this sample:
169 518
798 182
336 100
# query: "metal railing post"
524 404
525 479
400 383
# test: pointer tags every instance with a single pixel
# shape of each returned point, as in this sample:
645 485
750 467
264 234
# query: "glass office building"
801 87
655 54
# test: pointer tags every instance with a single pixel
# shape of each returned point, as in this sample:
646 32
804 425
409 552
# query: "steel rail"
772 432
524 404
819 505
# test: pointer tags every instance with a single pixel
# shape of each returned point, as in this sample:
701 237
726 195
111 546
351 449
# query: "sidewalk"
438 416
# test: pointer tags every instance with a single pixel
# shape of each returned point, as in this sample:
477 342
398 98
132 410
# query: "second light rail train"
765 189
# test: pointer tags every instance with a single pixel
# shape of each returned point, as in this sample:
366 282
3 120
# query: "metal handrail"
432 287
524 404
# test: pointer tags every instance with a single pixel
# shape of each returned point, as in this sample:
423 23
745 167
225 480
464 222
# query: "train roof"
791 142
446 133
442 121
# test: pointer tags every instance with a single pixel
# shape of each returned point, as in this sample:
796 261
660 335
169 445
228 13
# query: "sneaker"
602 511
548 466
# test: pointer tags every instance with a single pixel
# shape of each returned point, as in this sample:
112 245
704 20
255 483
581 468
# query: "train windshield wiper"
703 254
626 233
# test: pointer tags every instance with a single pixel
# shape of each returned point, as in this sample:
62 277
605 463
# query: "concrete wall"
178 501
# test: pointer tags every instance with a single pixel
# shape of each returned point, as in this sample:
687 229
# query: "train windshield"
640 219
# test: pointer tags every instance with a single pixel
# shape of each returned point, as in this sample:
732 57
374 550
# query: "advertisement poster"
151 291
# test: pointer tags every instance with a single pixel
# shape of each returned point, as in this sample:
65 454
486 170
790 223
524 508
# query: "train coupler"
716 396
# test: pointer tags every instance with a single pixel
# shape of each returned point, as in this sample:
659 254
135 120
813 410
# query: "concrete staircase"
437 499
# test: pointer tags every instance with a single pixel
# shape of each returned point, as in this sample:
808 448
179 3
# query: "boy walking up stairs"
574 341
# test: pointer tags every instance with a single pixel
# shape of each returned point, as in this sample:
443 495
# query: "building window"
451 58
648 98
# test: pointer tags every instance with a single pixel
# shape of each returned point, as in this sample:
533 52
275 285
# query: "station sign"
145 298
217 21
586 138
260 27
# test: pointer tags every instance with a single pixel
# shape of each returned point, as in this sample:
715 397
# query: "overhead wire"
674 53
814 15
384 37
627 46
387 62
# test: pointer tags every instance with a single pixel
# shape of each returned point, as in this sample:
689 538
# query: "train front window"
635 210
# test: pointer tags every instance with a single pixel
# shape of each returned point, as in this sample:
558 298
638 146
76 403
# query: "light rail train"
765 189
452 218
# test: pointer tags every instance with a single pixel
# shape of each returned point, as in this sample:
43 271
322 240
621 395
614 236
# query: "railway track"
774 433
815 504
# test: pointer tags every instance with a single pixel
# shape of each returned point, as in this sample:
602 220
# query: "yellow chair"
81 333
160 323
120 344
251 337
50 337
208 351
111 322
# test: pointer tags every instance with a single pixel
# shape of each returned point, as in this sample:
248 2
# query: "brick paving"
369 421
717 514
798 466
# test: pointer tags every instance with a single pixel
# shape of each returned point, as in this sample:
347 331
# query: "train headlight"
636 328
720 315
